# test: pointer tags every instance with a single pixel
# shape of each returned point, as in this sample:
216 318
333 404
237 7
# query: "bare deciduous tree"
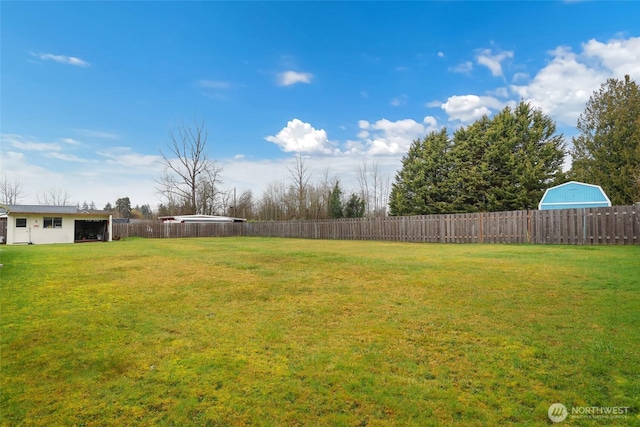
53 197
226 201
363 183
319 197
272 204
243 205
189 175
300 175
374 188
209 194
10 191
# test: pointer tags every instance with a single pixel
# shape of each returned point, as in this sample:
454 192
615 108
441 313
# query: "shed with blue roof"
572 195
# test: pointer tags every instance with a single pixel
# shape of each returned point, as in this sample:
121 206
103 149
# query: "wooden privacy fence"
614 225
157 229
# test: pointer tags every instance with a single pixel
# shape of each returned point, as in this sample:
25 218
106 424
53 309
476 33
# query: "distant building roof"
48 209
199 219
574 194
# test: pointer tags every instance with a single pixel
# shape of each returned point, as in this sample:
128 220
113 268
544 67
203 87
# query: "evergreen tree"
524 157
354 208
335 201
123 207
147 213
498 164
421 185
607 151
468 181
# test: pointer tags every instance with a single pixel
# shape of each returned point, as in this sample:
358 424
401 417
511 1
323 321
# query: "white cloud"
468 108
272 171
301 137
96 134
620 57
67 157
399 101
48 149
215 89
63 59
562 88
463 68
440 55
493 61
83 179
214 84
518 77
355 147
70 141
385 137
120 156
122 172
289 78
28 144
431 122
382 137
125 157
501 92
31 177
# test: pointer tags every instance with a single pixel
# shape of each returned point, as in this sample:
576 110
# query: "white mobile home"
199 219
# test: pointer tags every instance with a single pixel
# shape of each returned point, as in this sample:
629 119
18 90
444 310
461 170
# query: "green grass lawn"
284 332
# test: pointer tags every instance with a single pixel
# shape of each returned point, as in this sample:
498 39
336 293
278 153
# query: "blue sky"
89 90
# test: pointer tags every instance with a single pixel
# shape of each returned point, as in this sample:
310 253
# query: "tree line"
495 164
304 195
507 162
192 184
498 163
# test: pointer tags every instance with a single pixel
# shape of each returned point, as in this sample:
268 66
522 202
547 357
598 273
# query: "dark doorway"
3 230
92 230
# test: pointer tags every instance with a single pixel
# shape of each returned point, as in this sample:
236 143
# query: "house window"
50 222
21 222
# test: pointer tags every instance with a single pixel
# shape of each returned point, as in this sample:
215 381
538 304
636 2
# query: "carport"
91 230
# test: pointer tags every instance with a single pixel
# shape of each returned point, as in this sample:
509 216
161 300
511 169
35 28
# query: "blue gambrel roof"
571 195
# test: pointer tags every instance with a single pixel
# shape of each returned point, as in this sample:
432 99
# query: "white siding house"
40 224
